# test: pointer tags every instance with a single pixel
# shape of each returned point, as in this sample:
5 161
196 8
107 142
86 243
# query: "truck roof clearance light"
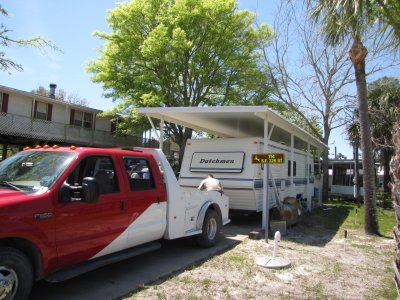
27 148
55 147
72 147
38 147
46 147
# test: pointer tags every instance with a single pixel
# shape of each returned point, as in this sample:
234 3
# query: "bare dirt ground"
323 266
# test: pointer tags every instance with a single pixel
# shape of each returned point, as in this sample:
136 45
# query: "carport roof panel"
228 121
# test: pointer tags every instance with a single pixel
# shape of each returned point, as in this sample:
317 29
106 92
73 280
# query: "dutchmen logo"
217 161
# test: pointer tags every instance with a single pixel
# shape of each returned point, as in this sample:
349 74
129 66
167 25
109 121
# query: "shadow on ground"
318 227
119 279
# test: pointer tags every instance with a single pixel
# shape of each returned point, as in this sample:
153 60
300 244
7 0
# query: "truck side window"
139 173
99 167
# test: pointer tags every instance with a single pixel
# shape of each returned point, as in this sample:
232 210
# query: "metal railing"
49 131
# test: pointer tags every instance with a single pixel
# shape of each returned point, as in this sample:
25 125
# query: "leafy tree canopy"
384 110
352 17
181 53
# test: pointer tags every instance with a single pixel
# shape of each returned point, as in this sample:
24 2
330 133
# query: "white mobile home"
257 129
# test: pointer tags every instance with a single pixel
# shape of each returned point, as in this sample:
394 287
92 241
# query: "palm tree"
350 19
384 103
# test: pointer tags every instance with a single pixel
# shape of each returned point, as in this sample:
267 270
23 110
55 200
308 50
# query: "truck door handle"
122 206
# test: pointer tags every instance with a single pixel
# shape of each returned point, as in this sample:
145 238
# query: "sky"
70 24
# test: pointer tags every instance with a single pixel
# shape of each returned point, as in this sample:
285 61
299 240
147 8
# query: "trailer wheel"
211 230
16 274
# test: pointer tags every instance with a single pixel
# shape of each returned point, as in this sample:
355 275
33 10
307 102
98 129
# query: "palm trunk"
357 56
386 156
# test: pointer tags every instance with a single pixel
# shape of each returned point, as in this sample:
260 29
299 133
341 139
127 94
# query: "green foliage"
181 53
384 109
343 18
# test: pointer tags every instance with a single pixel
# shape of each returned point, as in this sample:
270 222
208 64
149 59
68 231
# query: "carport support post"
265 218
309 192
161 134
266 169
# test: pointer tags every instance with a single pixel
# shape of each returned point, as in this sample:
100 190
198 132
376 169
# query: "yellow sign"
268 158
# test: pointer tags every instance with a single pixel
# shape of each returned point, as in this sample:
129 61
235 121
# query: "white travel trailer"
230 160
243 131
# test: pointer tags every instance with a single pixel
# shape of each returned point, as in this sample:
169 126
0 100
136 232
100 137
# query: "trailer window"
290 167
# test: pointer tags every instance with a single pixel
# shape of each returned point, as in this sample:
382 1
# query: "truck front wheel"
211 230
16 274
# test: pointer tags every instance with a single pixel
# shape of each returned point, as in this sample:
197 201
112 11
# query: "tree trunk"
325 177
357 55
386 156
325 160
395 189
181 140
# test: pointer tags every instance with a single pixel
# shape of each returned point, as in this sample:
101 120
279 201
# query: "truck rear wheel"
16 274
211 230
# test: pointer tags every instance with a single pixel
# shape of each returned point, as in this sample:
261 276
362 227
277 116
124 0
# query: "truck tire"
211 230
16 274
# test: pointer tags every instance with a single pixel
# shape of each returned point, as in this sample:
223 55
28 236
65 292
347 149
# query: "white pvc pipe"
277 238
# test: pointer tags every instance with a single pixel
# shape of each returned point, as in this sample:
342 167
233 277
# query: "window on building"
87 120
43 110
4 102
81 119
78 118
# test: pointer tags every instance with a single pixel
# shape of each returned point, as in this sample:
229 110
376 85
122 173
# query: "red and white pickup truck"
69 210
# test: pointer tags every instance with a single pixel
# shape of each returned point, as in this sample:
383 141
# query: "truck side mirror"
90 190
64 194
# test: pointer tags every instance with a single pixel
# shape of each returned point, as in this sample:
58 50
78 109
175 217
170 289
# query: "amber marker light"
72 147
56 146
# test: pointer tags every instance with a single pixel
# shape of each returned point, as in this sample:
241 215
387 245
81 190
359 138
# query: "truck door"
83 230
146 203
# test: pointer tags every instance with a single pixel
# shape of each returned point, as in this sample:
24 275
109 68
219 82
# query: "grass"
353 217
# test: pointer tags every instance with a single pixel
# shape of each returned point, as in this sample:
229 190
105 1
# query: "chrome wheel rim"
8 283
212 228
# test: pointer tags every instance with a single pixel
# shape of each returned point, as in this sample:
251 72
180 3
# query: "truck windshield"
30 171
